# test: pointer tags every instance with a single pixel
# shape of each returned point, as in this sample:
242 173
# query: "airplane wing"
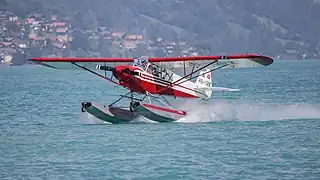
231 61
74 63
189 63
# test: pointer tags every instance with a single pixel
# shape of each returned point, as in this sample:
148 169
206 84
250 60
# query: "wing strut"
190 74
204 73
103 77
192 70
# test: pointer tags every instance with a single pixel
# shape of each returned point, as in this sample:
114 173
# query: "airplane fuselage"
137 80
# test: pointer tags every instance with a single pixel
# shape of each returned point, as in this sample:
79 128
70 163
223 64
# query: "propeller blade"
105 68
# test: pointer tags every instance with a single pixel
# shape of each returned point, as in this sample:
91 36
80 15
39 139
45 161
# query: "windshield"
141 62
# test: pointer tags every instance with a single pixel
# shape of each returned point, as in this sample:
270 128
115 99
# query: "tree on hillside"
80 41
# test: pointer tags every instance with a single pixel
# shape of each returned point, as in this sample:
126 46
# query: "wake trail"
246 111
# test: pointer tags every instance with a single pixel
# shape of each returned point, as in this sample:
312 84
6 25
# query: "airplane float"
152 80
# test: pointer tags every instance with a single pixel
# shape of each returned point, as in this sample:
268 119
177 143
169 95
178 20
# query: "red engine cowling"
126 76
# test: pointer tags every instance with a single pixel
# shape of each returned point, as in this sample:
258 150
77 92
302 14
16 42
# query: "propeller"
106 68
112 69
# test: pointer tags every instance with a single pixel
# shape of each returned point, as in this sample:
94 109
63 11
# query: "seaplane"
150 81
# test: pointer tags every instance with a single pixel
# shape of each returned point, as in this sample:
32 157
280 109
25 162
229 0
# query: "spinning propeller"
114 70
106 68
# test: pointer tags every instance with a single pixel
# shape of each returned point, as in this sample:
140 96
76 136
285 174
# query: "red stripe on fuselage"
167 83
183 113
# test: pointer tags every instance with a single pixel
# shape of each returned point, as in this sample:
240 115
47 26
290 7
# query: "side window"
156 71
149 69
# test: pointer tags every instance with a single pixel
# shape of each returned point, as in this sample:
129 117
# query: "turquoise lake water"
268 130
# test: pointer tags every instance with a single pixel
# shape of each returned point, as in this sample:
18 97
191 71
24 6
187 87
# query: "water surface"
269 130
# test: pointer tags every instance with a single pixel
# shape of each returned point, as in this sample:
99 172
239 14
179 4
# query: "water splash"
244 111
142 119
87 118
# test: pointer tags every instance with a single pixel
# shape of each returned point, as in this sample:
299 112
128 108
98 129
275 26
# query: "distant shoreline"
12 65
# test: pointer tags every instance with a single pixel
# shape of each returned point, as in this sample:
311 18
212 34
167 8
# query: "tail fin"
204 84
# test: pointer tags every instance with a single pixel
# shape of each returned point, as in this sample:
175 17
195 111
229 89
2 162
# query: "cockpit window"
154 70
141 62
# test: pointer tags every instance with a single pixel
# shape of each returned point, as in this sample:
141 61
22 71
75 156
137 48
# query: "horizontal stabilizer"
218 89
224 89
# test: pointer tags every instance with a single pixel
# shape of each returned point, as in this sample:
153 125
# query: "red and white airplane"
154 78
